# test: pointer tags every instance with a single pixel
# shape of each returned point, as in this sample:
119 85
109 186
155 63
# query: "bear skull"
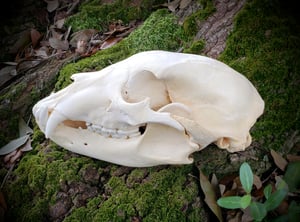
153 108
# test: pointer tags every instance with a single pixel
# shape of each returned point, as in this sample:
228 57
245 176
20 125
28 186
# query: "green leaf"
292 176
268 191
210 196
281 184
294 212
275 199
13 145
245 201
246 177
234 202
258 211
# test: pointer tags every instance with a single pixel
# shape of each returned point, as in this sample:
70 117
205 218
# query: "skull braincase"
155 107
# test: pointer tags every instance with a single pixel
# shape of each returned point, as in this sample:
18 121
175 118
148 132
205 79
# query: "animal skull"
155 107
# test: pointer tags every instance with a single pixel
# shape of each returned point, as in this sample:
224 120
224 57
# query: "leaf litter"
284 175
32 47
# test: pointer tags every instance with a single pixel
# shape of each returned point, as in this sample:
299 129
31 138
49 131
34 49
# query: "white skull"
155 107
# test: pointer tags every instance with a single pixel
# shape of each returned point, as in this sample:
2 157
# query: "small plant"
258 210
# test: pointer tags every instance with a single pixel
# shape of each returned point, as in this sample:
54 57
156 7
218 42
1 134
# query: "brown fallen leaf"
184 3
82 35
210 196
172 6
52 5
59 44
292 158
35 37
257 182
110 42
280 162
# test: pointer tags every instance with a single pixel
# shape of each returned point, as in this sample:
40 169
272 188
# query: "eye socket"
144 84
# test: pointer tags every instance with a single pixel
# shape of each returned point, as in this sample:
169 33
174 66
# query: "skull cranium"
155 107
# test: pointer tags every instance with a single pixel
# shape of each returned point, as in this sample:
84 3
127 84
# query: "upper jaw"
48 120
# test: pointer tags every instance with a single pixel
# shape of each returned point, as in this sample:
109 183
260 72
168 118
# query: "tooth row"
113 133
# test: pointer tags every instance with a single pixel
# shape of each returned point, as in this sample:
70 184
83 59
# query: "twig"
7 175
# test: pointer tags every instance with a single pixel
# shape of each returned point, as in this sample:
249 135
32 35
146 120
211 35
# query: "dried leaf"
215 184
210 196
59 44
15 158
14 144
172 6
35 37
110 42
27 146
184 3
52 5
83 35
24 129
292 158
280 162
81 47
60 23
222 189
257 182
42 52
24 132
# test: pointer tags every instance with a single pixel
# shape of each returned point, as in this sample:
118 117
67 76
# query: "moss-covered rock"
57 181
192 23
99 14
265 47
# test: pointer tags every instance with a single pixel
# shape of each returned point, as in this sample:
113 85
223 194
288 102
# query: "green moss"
191 23
265 47
96 62
37 179
97 15
196 47
159 31
164 193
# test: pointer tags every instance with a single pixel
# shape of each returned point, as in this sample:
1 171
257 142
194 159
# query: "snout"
41 114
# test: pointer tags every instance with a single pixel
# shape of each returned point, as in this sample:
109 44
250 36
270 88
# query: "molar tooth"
134 135
108 130
127 132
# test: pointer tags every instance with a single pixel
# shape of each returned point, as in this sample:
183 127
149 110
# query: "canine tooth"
54 119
